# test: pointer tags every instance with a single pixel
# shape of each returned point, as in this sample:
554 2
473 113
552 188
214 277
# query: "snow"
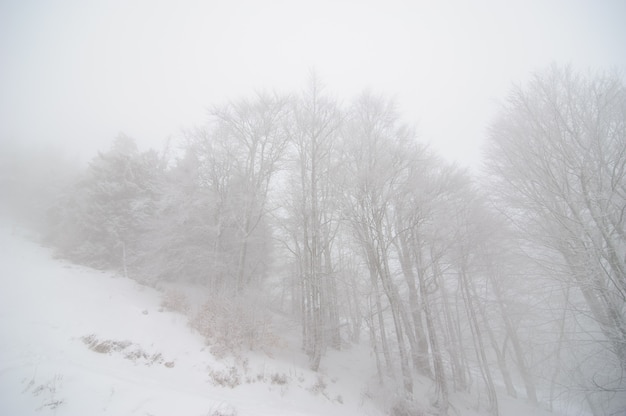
150 361
48 306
